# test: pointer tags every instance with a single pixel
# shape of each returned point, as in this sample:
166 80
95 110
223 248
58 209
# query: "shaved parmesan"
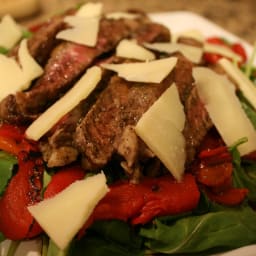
222 50
13 77
84 30
31 69
64 214
121 15
10 32
244 84
192 53
130 49
161 129
218 95
65 104
90 10
147 72
194 34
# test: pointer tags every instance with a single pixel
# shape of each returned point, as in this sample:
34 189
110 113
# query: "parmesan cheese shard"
30 67
192 53
64 214
10 32
244 84
130 49
15 77
53 114
84 30
90 10
222 50
121 15
218 95
161 129
192 33
146 72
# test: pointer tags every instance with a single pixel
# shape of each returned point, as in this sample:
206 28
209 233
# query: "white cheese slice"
147 72
31 69
10 32
11 76
218 95
15 77
130 49
161 129
194 54
222 50
63 215
90 10
84 30
244 84
65 104
192 33
121 15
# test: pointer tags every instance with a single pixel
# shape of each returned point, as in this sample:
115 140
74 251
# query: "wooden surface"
237 16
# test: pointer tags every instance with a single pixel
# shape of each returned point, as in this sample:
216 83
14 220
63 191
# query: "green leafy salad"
180 193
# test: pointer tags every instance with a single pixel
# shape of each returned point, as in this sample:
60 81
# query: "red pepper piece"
166 196
152 197
212 58
13 141
215 156
23 190
239 49
62 179
214 175
230 197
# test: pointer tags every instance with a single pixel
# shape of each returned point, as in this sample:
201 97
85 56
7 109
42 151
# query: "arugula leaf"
109 238
2 238
53 250
7 163
3 50
227 229
244 174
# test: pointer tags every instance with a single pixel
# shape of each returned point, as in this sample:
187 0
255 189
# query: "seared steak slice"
55 148
43 40
198 123
120 105
58 146
68 61
107 128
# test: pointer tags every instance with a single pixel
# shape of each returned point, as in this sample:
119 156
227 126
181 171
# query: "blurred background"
237 16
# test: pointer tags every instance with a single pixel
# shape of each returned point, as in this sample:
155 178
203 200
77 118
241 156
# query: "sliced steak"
58 146
43 40
55 148
120 105
197 125
67 62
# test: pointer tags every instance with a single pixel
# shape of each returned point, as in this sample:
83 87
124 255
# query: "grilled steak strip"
120 105
43 40
58 148
67 62
107 128
197 124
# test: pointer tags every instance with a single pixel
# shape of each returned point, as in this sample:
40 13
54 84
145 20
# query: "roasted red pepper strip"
237 48
153 197
214 175
23 190
229 197
62 179
13 141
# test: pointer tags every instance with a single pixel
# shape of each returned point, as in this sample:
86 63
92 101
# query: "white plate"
176 22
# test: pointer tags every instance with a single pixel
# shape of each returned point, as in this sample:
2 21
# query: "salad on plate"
120 135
